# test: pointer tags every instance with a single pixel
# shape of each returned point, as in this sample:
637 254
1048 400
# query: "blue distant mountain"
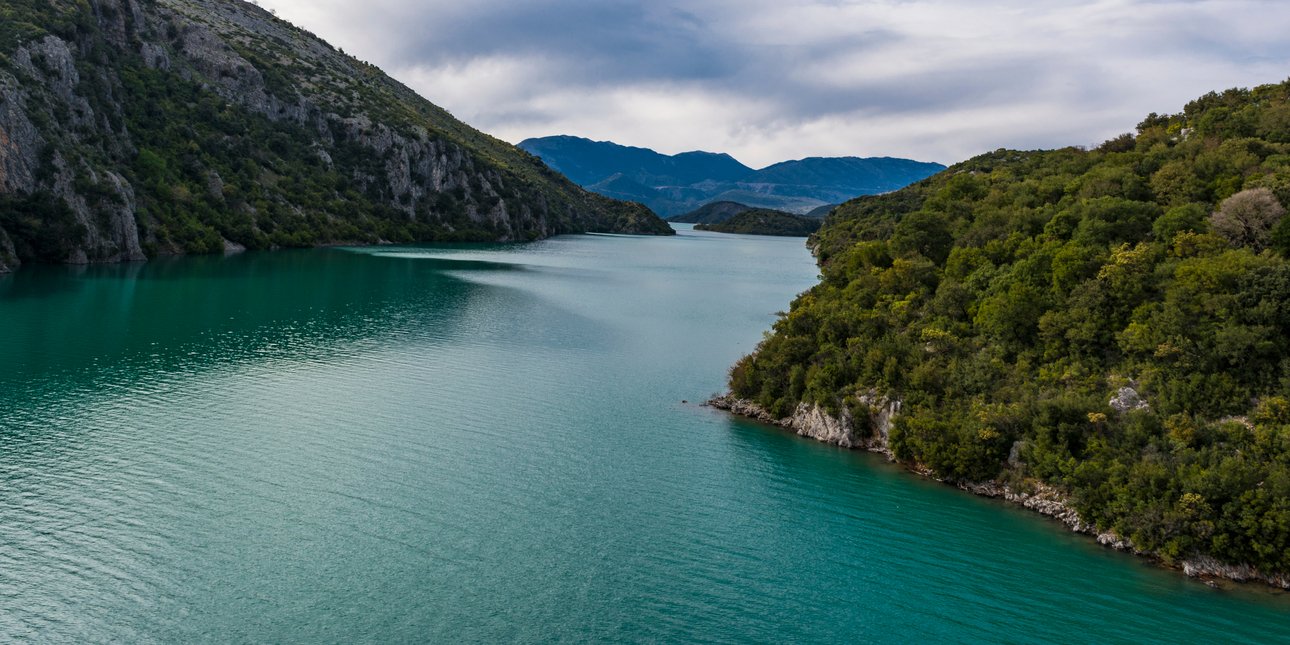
672 185
589 162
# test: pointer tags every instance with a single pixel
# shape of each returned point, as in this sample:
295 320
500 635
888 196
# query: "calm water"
489 444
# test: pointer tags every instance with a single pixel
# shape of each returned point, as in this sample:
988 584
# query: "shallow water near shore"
488 443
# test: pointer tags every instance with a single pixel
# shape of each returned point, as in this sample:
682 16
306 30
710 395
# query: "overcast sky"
770 80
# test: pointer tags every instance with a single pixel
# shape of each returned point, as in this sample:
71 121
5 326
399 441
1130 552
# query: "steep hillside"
137 127
761 221
822 211
1113 324
675 185
713 213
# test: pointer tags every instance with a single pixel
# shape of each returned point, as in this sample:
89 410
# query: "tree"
1189 217
1248 217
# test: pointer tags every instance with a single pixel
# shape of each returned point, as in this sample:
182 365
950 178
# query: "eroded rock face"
1206 567
882 416
20 143
65 106
815 422
110 232
51 62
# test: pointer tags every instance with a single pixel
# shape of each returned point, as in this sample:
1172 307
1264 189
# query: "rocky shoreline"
814 422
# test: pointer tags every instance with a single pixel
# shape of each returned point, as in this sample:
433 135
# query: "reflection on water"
488 443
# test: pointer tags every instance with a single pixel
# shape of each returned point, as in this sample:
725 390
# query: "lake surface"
488 443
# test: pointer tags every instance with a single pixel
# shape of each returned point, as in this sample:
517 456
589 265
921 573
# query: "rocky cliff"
865 426
130 128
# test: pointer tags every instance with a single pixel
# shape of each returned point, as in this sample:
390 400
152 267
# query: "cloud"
772 80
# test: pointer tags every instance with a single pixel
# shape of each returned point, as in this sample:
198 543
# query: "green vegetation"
187 137
258 134
39 225
23 20
712 213
761 221
1020 303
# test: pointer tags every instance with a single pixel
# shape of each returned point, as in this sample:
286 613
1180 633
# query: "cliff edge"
131 128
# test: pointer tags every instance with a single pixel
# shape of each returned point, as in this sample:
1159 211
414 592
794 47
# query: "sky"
772 80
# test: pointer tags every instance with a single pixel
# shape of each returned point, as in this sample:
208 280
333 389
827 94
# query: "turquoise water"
487 444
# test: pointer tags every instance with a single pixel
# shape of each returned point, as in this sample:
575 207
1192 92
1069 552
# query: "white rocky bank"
816 423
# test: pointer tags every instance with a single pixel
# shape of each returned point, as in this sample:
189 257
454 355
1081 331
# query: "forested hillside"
761 221
1115 322
131 128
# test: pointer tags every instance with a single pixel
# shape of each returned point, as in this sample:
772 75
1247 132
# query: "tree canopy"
1118 319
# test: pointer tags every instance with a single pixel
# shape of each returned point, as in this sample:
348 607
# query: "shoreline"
233 248
815 423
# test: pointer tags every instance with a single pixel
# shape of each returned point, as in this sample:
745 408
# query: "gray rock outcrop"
1127 399
376 154
813 421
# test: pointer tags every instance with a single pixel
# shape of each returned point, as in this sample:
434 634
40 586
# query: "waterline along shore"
815 423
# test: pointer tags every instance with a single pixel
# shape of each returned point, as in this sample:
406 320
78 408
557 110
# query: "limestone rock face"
378 156
1206 567
813 421
20 142
1127 399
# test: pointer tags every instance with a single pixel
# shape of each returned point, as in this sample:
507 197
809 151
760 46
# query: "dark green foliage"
25 20
40 226
713 213
1009 300
761 221
207 170
205 167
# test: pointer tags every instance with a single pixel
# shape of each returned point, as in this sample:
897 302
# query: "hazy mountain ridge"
587 162
677 184
137 127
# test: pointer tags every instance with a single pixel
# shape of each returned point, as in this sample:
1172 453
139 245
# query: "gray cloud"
770 80
596 41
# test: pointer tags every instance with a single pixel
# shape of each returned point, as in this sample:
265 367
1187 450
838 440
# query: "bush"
1248 218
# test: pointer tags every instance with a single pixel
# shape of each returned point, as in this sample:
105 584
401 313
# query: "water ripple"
486 444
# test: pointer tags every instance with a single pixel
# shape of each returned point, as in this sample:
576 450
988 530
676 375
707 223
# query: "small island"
761 221
713 213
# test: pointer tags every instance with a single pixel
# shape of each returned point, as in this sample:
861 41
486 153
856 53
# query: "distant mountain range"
673 185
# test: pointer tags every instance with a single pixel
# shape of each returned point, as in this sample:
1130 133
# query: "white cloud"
772 80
